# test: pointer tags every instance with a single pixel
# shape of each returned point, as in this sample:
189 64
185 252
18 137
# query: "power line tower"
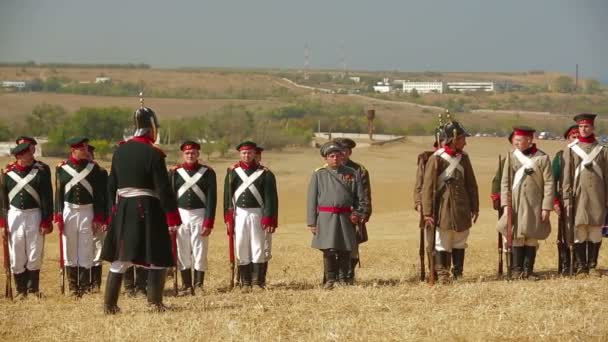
306 61
342 60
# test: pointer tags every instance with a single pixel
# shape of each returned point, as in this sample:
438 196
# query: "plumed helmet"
145 119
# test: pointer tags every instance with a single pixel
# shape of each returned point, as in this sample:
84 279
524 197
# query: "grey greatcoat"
340 188
532 194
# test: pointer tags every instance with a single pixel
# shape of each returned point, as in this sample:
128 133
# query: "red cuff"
208 222
58 218
495 196
173 219
46 223
2 222
268 221
229 216
98 218
556 201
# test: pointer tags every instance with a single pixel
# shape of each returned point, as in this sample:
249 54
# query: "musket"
499 242
562 242
571 213
61 258
8 289
173 240
421 251
230 228
509 216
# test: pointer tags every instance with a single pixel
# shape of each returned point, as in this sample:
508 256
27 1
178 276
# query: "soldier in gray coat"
336 202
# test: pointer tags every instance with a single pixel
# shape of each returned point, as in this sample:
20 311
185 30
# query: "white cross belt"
78 177
247 183
190 183
23 184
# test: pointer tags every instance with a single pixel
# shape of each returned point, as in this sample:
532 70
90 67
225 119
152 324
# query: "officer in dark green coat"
348 146
143 210
29 140
80 211
26 216
563 250
99 235
251 207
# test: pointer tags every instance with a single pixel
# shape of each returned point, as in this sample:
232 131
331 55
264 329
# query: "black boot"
258 275
442 266
141 278
187 288
351 273
331 269
344 264
580 251
21 284
199 279
110 300
593 250
457 262
84 281
517 266
73 281
263 274
246 277
156 286
33 283
129 277
529 260
96 272
564 260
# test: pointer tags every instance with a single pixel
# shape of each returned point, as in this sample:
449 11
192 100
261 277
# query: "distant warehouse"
423 87
470 86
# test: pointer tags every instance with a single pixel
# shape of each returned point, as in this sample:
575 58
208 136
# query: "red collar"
590 139
530 151
143 139
22 168
450 152
191 167
246 166
78 161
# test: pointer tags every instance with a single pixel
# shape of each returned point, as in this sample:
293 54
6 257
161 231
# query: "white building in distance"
383 87
102 79
470 86
14 84
423 87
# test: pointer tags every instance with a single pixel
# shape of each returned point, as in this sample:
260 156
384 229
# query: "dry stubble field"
388 302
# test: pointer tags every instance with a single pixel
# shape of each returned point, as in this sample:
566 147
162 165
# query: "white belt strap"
135 192
248 184
454 164
527 164
586 159
78 177
190 183
23 184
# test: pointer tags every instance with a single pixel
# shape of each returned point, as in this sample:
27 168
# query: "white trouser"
446 240
98 239
192 248
520 242
26 244
249 235
122 266
585 232
78 235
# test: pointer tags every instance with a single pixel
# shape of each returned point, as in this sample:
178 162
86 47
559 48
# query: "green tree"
44 118
592 86
414 93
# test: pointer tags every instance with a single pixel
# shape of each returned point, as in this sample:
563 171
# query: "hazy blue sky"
467 35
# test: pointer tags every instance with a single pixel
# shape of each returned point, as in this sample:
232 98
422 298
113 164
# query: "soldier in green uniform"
450 201
26 217
143 211
194 186
100 234
347 147
268 244
80 211
251 207
563 250
585 193
29 140
336 203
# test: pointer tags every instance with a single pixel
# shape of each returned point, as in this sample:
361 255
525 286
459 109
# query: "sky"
404 35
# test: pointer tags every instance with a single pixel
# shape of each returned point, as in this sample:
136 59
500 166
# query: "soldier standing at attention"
450 190
100 234
251 207
80 212
336 203
143 211
28 203
361 228
29 140
585 187
563 249
530 180
268 246
195 188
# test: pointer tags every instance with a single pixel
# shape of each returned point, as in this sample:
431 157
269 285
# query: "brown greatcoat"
533 194
423 158
457 201
591 188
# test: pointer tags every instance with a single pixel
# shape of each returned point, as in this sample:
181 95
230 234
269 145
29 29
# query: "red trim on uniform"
58 218
191 147
3 222
523 133
98 218
191 167
590 139
449 151
173 219
143 139
22 168
267 221
46 223
586 121
247 147
79 145
209 222
572 131
495 196
555 201
531 151
335 210
229 216
245 166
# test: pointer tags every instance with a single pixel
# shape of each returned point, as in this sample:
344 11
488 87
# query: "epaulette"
232 167
10 166
321 167
61 163
121 142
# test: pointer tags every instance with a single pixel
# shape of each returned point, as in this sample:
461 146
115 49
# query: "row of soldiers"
527 187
